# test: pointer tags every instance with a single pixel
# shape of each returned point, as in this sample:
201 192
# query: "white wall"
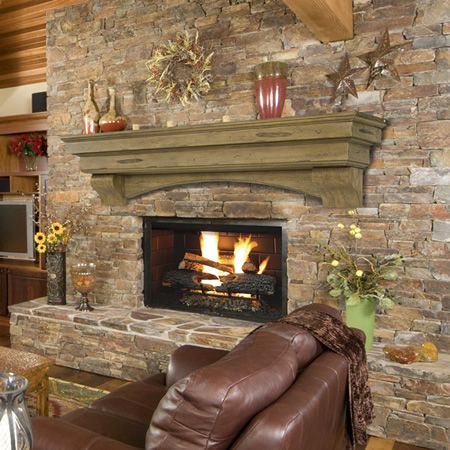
17 100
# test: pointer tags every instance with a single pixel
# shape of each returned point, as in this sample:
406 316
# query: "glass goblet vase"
83 280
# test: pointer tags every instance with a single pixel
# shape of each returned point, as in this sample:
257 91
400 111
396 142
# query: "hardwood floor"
110 384
384 444
86 378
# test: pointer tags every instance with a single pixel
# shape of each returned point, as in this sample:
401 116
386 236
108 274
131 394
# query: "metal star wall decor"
342 83
378 63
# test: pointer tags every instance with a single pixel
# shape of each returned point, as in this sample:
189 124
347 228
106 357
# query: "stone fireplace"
153 192
231 177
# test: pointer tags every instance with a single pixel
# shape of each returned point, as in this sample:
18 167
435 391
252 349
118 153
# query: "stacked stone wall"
412 402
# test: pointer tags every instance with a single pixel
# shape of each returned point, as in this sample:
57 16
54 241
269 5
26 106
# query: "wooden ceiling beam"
328 20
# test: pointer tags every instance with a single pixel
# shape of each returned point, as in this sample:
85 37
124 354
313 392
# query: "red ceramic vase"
271 84
111 121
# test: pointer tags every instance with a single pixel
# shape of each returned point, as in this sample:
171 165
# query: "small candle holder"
83 280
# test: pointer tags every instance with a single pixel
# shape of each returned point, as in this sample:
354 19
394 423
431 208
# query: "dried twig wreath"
180 70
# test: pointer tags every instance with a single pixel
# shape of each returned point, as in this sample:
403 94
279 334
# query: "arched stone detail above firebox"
319 155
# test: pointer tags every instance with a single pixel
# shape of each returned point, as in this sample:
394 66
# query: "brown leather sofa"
279 388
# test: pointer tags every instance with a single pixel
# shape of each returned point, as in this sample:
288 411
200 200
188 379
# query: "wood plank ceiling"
23 33
23 38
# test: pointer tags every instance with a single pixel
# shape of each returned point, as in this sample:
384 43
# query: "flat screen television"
17 229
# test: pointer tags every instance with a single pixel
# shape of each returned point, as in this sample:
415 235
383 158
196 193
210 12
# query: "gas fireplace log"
191 260
228 260
187 279
249 267
224 302
247 283
187 265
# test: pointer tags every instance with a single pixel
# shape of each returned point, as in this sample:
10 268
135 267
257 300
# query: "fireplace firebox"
224 268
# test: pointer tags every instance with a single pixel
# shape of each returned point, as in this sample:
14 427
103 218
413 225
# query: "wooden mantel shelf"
320 155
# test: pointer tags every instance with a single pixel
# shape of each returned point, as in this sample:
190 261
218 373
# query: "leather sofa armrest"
188 358
56 434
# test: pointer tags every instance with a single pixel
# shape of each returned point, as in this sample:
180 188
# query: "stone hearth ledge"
115 341
412 401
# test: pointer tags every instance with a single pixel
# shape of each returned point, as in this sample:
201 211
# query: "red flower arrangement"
28 144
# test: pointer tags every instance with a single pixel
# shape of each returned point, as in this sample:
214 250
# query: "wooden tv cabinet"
19 282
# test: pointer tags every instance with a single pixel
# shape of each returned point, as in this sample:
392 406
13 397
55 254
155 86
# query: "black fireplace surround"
167 242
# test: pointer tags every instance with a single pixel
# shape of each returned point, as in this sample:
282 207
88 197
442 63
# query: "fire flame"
242 249
263 265
209 244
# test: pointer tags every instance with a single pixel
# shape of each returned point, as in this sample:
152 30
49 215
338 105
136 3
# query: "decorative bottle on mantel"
111 121
90 112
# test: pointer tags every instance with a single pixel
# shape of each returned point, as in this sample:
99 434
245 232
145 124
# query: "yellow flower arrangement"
56 238
357 278
55 233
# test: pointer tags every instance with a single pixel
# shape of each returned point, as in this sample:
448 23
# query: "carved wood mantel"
320 155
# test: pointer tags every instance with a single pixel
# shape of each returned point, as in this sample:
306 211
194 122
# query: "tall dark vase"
56 278
271 85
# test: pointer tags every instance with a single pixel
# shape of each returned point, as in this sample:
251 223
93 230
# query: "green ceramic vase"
362 316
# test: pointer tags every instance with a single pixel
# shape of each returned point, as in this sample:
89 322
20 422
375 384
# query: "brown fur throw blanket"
344 341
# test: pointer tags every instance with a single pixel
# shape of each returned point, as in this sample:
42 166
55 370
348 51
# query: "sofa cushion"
208 408
135 401
188 358
109 425
55 434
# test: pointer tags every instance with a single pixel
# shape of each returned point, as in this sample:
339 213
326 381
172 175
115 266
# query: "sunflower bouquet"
54 232
55 238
